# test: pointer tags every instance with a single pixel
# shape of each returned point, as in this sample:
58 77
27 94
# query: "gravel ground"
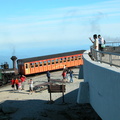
38 106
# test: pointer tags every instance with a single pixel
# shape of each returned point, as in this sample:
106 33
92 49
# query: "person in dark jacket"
48 75
71 75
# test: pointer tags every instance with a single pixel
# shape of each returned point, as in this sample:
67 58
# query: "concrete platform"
31 105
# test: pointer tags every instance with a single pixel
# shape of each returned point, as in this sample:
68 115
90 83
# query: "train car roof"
51 56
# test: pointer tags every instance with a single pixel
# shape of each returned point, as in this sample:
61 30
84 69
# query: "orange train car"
40 64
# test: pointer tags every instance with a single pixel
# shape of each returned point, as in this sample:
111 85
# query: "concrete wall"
104 88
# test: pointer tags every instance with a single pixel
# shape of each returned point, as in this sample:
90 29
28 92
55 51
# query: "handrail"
112 43
111 58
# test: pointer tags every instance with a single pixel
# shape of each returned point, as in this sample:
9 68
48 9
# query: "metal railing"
112 57
113 44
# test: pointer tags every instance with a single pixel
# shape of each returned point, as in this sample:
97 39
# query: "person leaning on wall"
95 55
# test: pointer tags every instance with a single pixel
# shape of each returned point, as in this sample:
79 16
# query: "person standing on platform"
96 47
30 86
48 76
67 73
13 83
64 67
101 42
16 83
64 74
19 85
71 75
23 79
95 42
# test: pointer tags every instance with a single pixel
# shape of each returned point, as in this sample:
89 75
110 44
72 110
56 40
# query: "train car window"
64 59
45 63
68 59
76 57
72 58
60 60
32 65
48 62
26 65
40 63
52 61
79 57
36 64
56 60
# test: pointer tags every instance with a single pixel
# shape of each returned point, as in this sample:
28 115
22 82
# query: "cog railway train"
40 64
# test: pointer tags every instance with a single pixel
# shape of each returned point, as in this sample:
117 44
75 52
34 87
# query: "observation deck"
101 84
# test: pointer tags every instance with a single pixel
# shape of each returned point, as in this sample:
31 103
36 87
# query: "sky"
30 28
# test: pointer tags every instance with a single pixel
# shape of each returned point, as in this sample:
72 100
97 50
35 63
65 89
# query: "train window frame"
57 61
64 59
36 64
53 61
61 59
41 63
49 62
26 66
72 58
44 63
32 65
79 57
68 59
76 57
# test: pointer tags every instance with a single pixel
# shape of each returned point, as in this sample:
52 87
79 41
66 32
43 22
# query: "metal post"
50 97
63 92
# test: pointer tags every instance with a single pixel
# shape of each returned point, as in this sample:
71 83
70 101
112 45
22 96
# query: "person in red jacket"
64 74
23 79
16 83
13 83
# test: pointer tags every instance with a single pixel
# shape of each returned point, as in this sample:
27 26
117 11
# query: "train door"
41 66
32 68
27 68
52 64
80 60
64 62
36 67
57 66
72 61
44 65
68 61
21 67
76 60
49 65
61 63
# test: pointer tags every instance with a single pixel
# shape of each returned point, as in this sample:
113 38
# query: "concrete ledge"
104 87
81 74
83 93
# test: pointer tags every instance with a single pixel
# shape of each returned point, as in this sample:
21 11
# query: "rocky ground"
24 106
